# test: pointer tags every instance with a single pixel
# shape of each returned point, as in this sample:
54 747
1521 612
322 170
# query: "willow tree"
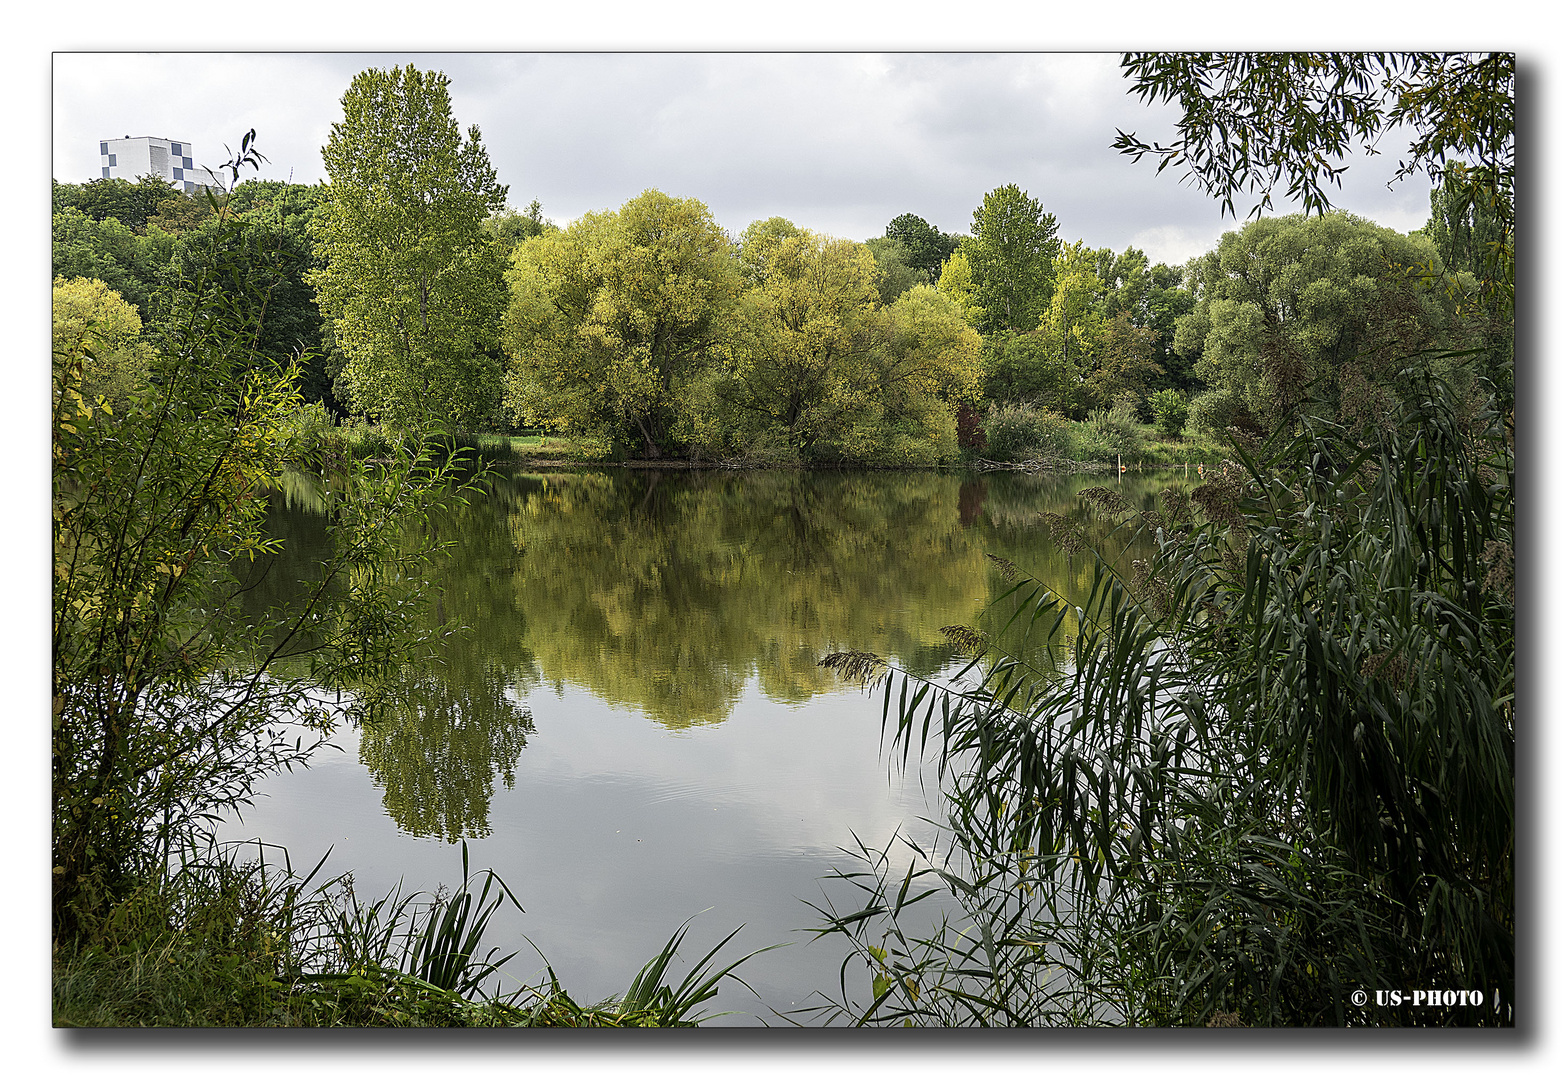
611 320
411 282
1320 310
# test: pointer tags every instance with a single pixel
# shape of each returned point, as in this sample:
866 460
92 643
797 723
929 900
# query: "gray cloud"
837 142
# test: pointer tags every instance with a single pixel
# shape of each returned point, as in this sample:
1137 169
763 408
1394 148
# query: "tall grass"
230 943
1278 770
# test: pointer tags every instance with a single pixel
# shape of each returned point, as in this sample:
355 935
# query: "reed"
1277 769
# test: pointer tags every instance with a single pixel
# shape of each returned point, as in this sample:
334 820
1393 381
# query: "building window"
106 172
113 161
103 147
189 164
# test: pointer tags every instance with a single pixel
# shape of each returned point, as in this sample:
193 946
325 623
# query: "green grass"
1189 448
227 945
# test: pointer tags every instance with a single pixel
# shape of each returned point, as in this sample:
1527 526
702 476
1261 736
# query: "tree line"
407 285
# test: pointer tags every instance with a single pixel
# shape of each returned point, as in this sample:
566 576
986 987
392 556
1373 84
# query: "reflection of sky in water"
627 819
618 829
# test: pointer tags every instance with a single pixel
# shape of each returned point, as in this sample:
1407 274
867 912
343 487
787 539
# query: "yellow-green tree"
802 372
929 366
411 282
611 320
957 283
92 320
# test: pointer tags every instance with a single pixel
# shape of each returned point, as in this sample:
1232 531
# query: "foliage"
1217 412
821 370
168 698
1015 432
1122 363
808 332
132 265
1253 120
132 204
927 247
1028 368
895 275
180 212
612 320
1011 256
1322 309
512 227
1170 411
411 283
92 321
1112 432
1468 234
957 284
1279 766
266 230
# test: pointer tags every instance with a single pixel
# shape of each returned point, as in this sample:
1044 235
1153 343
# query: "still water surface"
635 731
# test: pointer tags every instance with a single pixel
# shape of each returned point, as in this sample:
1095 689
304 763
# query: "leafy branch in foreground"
169 699
1279 769
1254 121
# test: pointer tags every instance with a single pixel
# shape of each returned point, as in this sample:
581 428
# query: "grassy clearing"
1189 448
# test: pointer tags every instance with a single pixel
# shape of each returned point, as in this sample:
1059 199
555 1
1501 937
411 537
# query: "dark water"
635 730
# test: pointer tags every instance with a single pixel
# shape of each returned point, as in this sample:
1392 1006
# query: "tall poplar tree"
1010 255
412 283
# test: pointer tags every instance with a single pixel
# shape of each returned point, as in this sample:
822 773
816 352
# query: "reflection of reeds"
1277 768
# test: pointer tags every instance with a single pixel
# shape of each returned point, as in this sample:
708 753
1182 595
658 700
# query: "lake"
635 731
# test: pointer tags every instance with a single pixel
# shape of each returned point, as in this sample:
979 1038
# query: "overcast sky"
837 142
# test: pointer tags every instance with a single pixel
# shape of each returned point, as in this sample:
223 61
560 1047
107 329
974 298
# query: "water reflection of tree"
667 593
443 730
440 743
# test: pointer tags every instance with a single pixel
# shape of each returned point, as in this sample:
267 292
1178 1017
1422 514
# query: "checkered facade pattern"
130 158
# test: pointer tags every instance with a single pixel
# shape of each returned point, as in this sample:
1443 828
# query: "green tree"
167 692
1170 411
927 246
131 264
131 204
758 242
802 373
1073 320
410 280
1011 255
512 227
1028 368
894 273
1330 306
956 282
266 230
1469 236
931 366
181 212
94 322
1254 121
612 320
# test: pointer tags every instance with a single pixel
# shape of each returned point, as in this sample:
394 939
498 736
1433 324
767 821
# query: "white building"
130 158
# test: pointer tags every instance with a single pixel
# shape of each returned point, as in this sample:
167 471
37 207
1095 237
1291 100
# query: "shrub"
1109 432
1013 432
1217 411
1170 411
